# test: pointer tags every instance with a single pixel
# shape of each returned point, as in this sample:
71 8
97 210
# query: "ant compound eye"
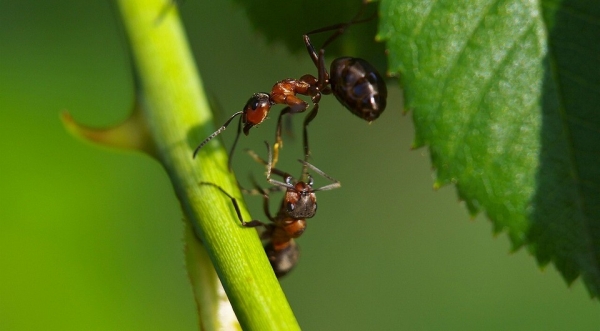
290 207
258 101
256 110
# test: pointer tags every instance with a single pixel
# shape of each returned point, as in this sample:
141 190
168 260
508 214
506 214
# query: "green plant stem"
178 117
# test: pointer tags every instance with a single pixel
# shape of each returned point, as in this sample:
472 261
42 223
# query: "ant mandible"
355 83
298 204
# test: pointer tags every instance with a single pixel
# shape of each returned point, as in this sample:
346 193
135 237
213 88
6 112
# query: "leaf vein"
464 47
485 87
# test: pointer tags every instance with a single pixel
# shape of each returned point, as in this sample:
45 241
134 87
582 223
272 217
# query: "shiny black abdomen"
359 87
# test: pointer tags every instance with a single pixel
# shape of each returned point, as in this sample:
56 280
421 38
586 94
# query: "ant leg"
237 137
322 73
265 200
260 160
311 49
287 178
254 191
251 224
340 27
307 120
336 183
265 193
294 105
278 141
319 61
257 192
255 157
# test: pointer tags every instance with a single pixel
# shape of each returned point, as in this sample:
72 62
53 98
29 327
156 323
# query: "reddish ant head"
256 110
359 87
300 201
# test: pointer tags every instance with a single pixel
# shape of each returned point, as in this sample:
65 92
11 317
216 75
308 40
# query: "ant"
298 204
353 81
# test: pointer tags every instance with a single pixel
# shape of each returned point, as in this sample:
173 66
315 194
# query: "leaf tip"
416 144
473 205
131 134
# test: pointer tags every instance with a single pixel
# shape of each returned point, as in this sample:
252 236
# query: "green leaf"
505 93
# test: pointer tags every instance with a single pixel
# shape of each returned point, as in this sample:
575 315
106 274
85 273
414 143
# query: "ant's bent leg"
251 224
294 105
276 171
265 194
313 113
237 137
278 141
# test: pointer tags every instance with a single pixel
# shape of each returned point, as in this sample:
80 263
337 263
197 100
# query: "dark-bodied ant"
298 204
355 83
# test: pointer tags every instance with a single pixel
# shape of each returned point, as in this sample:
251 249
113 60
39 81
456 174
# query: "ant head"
256 110
300 201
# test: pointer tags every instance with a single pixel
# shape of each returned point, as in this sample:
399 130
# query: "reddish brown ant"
298 204
355 83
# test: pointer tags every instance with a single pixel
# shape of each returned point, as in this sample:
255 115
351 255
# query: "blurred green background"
90 239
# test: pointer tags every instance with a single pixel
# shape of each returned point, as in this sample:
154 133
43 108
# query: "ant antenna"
334 185
288 178
258 159
216 133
